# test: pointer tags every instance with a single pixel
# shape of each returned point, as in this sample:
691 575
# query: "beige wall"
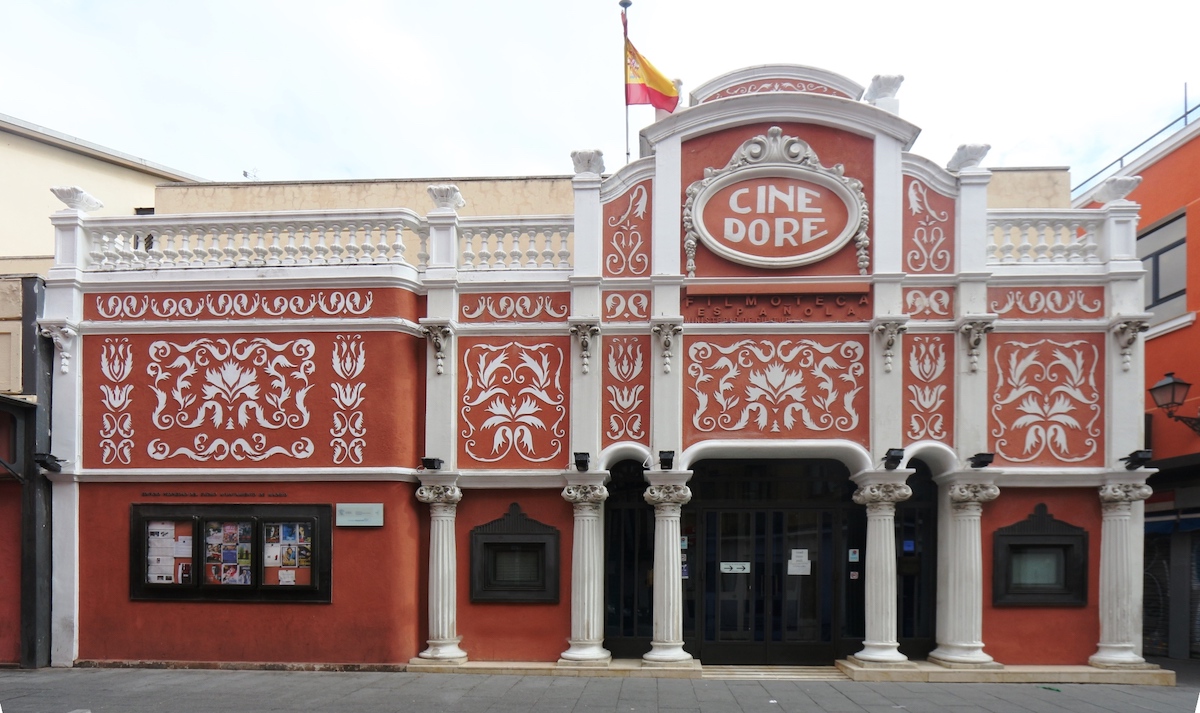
551 195
1030 188
28 169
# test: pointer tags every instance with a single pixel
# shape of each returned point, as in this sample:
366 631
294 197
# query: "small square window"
514 559
1040 561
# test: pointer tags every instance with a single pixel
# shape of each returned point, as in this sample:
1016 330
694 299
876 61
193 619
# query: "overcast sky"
425 88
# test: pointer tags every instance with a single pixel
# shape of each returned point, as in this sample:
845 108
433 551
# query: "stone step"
773 673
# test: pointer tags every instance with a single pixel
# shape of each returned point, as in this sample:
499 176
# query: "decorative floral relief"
228 390
928 246
929 303
777 386
507 307
777 85
626 408
1046 402
349 424
514 404
116 425
626 251
928 412
1077 302
626 306
335 303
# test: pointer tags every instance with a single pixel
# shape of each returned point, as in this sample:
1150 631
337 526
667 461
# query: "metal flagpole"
625 68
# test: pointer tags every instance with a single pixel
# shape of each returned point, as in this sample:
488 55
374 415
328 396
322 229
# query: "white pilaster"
880 491
960 621
666 646
442 496
587 576
1120 578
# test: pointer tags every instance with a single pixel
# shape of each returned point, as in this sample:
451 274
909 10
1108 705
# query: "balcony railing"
1044 236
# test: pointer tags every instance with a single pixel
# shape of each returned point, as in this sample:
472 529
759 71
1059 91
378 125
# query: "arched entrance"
774 563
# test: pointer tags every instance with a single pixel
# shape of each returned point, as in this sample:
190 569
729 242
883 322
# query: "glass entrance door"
768 586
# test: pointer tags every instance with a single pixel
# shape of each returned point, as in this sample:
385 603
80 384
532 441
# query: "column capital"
1119 496
439 494
578 494
874 493
672 494
963 494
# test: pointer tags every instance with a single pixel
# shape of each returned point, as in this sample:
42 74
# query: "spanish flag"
643 83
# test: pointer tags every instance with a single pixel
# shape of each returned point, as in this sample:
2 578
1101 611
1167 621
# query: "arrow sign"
735 567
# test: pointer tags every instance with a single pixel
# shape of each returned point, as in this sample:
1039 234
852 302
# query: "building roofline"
1152 156
427 179
13 125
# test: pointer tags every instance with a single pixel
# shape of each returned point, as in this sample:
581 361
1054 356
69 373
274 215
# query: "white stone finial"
590 161
446 196
967 155
883 86
76 198
1116 188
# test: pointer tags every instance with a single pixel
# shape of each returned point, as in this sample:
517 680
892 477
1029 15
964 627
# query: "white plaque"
799 555
800 567
735 567
359 515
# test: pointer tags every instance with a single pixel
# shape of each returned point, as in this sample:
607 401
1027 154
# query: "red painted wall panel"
10 572
514 632
376 616
1043 635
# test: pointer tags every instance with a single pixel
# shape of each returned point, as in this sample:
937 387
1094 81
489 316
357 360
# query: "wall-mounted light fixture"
891 459
1137 459
666 459
581 461
431 463
981 460
1169 394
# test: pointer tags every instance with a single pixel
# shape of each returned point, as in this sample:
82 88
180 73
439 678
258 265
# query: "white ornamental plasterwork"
626 306
628 253
929 304
929 252
236 394
348 434
774 386
1046 401
508 307
336 303
513 407
626 362
1047 302
777 85
926 365
116 424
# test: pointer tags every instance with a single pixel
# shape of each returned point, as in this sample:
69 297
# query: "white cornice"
626 177
779 107
13 125
765 72
937 177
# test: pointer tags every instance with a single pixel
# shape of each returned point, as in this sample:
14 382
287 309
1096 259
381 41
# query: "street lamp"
1169 394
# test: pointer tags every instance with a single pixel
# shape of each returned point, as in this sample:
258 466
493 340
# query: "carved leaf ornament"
775 206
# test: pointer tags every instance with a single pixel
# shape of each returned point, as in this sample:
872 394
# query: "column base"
585 653
902 662
444 651
947 663
962 656
663 653
885 652
1118 656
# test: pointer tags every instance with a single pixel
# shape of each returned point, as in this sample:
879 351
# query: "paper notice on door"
799 567
799 556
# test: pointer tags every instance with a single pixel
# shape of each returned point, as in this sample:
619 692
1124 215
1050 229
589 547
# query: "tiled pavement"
123 690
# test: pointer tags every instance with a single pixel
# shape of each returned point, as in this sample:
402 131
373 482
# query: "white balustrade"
234 240
1044 236
516 243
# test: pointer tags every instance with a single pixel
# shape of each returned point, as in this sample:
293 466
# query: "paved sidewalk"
114 690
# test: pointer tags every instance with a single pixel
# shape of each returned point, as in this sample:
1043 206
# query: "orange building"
1168 192
778 392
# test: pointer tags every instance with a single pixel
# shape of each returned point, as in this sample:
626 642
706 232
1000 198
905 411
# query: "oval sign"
776 216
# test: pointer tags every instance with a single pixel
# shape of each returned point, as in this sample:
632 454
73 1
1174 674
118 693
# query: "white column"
880 645
666 648
587 576
1120 578
443 564
960 641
